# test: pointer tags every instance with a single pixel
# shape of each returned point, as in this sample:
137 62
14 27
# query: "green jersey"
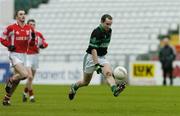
99 40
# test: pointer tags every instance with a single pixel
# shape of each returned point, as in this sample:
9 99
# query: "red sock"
31 93
25 90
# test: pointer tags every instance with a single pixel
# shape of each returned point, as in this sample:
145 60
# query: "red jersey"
39 41
17 36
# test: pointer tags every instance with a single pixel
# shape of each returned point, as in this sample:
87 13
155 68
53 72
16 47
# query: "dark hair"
18 11
31 20
103 18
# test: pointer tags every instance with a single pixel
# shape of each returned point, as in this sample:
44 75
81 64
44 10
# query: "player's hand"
41 46
98 68
11 48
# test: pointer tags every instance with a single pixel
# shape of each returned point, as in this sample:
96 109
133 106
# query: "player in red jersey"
32 61
16 38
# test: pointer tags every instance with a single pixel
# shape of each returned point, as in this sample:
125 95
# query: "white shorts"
88 64
17 58
32 61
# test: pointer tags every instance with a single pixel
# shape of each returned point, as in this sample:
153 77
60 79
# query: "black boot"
164 82
171 81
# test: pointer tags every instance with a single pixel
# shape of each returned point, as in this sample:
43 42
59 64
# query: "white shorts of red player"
17 58
32 61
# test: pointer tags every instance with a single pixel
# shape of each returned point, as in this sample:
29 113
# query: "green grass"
96 101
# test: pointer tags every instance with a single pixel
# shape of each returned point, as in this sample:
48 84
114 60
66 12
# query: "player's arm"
95 60
94 56
33 34
5 41
32 37
94 44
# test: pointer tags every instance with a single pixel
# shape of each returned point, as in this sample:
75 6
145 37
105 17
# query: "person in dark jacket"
167 56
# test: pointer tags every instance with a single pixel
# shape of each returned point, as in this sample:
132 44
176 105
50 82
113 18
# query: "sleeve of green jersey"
94 40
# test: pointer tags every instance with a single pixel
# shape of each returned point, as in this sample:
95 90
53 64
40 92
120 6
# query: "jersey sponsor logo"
17 32
143 70
21 38
104 45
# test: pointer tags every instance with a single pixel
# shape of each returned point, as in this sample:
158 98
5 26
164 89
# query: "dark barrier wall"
27 4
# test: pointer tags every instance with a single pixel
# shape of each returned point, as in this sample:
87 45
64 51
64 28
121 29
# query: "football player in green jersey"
95 59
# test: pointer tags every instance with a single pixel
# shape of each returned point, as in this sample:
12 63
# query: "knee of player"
86 83
30 78
108 74
25 75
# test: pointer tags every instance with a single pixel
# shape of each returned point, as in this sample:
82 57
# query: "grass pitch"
52 100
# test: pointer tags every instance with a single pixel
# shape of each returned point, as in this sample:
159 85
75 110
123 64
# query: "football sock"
7 97
113 88
76 87
31 93
25 90
15 84
11 86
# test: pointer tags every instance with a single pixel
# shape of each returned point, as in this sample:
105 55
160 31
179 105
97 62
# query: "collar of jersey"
19 25
101 28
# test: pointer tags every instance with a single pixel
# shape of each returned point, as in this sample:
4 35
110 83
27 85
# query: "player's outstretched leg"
72 91
117 90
